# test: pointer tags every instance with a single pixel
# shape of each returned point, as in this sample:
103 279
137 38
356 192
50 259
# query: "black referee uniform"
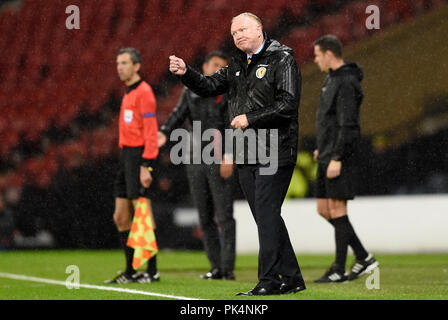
338 136
339 131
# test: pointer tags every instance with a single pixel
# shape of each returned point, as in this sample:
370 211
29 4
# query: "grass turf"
409 277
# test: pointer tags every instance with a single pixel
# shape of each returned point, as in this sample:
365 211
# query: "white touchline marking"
90 286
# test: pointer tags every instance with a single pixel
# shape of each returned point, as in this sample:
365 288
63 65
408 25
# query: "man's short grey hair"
136 57
250 15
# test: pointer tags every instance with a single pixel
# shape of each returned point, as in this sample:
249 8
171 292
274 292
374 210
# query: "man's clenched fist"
177 66
240 122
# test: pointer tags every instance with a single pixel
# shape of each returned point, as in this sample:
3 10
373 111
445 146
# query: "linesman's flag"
142 237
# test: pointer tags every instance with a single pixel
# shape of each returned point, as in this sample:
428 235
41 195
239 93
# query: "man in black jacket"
338 134
210 184
263 84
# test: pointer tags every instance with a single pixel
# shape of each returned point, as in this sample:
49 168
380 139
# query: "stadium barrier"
393 224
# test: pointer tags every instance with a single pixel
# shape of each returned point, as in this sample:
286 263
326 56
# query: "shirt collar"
133 86
259 49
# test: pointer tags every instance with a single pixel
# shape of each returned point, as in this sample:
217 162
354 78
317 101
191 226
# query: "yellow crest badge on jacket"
260 72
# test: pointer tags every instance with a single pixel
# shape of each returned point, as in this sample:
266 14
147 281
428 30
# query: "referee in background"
338 134
138 143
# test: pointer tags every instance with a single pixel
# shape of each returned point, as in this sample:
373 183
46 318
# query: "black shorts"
127 181
342 187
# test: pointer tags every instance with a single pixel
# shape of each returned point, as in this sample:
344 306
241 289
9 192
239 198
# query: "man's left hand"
240 122
145 177
334 169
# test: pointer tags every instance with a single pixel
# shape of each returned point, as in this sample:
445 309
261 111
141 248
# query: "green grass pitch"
404 276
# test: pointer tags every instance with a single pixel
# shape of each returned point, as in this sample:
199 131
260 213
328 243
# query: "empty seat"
337 25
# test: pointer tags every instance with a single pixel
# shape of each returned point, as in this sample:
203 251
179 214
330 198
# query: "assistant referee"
138 142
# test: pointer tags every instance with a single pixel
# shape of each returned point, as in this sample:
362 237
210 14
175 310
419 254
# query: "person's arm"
226 167
204 86
147 106
177 116
288 83
347 114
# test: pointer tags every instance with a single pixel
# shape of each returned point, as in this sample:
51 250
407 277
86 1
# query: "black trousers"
277 262
212 195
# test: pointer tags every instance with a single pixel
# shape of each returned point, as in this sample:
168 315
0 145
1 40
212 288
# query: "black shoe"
288 288
359 268
123 277
212 274
259 291
334 274
145 277
228 276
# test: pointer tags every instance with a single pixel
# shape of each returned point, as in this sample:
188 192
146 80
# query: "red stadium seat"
357 13
296 8
337 25
401 9
301 40
437 3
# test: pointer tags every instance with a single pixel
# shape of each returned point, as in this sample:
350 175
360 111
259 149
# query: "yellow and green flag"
142 237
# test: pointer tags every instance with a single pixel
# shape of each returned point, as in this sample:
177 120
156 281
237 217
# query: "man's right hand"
161 139
177 66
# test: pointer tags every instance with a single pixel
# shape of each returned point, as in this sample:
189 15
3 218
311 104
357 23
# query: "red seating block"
301 40
337 25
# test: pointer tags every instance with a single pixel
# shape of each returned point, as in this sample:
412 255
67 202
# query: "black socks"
152 266
129 254
128 251
344 236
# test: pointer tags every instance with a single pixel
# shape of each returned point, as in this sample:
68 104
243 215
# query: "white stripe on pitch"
89 286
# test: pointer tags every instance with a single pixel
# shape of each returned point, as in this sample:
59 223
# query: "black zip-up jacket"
267 91
338 122
210 111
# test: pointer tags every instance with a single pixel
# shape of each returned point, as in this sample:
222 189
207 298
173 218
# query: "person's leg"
151 268
221 191
323 209
276 257
335 211
246 177
346 235
339 219
131 164
123 220
202 199
321 192
151 274
345 187
338 214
